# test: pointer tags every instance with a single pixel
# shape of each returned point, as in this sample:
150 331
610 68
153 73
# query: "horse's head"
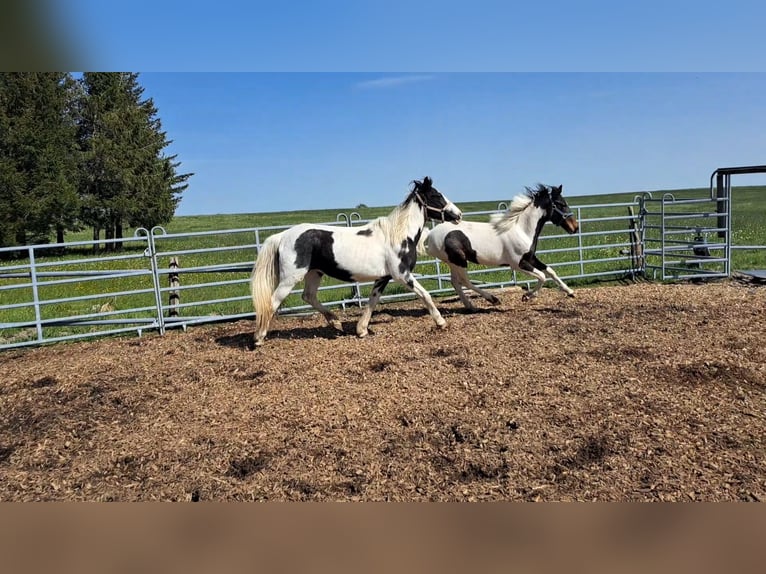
435 204
558 211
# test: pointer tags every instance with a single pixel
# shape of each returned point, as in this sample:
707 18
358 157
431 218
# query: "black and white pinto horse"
510 238
384 249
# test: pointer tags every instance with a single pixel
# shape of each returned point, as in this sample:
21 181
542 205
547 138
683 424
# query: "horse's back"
473 241
345 253
470 229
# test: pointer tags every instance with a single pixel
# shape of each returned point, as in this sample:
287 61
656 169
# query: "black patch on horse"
529 262
408 254
380 284
538 230
365 232
458 248
314 251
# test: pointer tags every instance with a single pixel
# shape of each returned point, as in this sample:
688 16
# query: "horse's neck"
406 221
416 220
528 221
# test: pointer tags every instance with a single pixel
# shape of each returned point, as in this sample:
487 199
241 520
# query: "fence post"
580 252
636 246
151 253
174 297
35 292
722 194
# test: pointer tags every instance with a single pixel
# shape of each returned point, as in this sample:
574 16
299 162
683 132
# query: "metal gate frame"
675 231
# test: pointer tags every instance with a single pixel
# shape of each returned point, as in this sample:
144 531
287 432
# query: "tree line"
80 153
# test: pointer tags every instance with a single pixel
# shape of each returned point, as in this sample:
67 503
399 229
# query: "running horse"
510 238
383 250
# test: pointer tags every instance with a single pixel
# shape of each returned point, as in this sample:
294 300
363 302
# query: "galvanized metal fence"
685 238
689 237
161 280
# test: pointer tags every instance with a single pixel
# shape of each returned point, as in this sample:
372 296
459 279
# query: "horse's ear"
427 182
558 189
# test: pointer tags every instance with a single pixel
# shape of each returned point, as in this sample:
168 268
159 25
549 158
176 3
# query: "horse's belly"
361 266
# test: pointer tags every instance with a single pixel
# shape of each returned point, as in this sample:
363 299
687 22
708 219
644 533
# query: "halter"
564 215
426 207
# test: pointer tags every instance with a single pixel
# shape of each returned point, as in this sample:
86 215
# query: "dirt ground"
636 392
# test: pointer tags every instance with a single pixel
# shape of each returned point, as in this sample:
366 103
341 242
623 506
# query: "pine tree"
128 180
38 157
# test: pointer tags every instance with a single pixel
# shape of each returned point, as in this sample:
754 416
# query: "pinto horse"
384 249
510 238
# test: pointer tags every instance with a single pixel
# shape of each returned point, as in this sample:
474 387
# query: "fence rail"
173 280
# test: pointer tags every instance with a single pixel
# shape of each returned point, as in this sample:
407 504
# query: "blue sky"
281 141
415 35
321 104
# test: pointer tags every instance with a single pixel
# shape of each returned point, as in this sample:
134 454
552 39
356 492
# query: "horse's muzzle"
571 225
453 216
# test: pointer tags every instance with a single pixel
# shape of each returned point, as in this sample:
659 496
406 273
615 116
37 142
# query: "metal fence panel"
173 280
686 238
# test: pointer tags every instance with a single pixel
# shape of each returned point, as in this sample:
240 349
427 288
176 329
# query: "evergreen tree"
128 180
38 157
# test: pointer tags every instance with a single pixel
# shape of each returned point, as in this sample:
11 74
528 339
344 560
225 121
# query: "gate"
684 237
688 235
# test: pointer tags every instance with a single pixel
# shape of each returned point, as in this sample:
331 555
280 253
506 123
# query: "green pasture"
108 295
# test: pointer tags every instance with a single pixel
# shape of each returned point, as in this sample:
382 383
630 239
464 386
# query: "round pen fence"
173 280
159 280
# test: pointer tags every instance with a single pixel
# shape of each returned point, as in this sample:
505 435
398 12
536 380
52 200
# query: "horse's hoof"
572 295
336 324
258 343
494 301
362 334
442 325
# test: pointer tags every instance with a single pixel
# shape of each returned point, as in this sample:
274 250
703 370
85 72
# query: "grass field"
67 296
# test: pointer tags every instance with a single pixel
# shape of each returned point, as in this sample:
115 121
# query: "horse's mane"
504 221
394 225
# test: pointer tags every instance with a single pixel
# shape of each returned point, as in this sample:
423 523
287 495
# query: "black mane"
416 185
534 192
539 193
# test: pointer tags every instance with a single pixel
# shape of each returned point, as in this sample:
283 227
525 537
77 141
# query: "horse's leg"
457 283
286 285
310 285
463 273
552 274
526 265
410 282
377 291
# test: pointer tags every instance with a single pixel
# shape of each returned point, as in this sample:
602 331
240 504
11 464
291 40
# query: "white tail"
421 248
264 281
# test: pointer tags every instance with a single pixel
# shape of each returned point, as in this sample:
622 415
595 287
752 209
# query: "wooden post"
175 298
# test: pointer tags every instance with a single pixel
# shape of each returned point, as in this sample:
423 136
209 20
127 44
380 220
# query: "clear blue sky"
286 121
269 142
414 35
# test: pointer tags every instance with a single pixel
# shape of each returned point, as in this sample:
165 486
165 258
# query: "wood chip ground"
639 392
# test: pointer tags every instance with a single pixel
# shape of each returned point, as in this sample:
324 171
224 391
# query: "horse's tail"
264 280
422 246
